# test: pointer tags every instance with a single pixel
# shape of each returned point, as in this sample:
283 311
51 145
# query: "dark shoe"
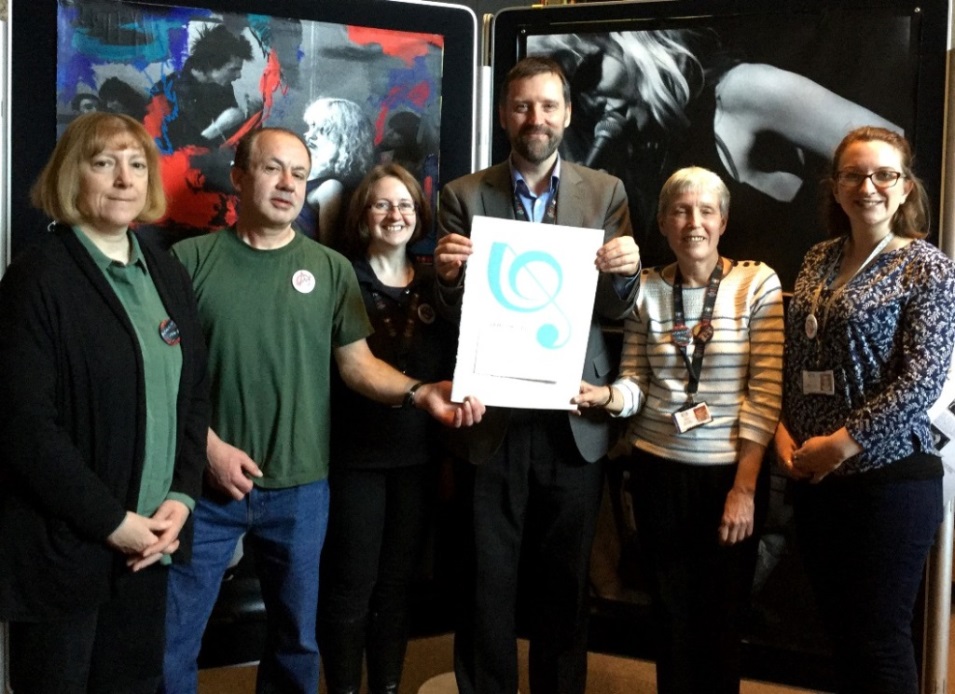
342 645
385 652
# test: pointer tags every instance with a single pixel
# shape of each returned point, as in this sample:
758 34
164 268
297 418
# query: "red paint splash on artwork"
271 82
416 94
254 121
157 110
405 46
190 204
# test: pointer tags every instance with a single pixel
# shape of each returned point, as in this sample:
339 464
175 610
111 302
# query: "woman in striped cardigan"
701 383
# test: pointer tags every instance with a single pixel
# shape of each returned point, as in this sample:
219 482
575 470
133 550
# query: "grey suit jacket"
586 198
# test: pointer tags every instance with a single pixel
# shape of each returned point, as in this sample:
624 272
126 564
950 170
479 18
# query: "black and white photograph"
760 99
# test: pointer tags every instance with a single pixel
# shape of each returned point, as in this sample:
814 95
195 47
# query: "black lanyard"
702 333
550 213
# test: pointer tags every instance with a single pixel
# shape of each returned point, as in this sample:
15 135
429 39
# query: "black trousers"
699 588
114 649
377 527
532 508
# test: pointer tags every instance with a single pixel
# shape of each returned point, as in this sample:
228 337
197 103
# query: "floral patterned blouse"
887 338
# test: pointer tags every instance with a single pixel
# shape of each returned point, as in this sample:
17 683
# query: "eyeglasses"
386 206
883 178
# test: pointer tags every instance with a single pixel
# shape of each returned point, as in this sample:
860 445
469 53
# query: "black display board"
760 92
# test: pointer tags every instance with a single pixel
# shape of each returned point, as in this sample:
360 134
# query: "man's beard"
535 151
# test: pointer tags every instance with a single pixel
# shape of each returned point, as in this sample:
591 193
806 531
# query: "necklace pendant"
812 326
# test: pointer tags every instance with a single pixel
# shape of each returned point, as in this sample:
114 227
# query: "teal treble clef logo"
529 282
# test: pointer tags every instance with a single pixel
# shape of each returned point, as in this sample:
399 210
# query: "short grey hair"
693 178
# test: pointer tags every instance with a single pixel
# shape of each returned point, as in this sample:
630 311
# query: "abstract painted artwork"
199 79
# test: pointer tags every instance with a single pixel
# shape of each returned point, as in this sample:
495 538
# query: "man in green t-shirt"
276 308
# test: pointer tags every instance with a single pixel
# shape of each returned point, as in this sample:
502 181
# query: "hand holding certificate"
528 301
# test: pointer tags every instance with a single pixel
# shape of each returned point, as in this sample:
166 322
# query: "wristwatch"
409 396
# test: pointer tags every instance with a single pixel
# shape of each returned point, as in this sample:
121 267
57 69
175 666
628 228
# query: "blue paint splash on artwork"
149 38
261 27
412 87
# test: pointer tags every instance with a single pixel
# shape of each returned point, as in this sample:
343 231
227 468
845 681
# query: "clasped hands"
144 540
597 397
817 457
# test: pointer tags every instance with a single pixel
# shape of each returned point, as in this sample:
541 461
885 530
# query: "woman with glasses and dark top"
868 344
381 482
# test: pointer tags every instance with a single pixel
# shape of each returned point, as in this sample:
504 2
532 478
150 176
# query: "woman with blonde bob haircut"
57 188
102 422
341 141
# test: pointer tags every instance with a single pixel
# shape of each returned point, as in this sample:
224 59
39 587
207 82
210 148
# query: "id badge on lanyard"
818 382
693 414
823 382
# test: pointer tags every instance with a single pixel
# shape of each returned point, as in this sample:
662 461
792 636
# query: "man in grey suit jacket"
535 476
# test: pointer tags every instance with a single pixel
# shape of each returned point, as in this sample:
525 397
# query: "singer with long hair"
649 102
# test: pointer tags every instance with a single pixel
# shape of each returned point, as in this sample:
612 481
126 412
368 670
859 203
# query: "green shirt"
271 320
162 366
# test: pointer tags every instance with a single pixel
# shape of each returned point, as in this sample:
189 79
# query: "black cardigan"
72 423
402 436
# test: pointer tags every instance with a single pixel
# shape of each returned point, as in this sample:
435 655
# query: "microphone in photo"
608 128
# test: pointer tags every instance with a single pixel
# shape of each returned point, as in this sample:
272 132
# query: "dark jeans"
116 648
865 545
533 505
286 529
700 589
376 531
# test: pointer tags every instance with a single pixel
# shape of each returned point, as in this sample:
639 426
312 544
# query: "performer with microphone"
608 129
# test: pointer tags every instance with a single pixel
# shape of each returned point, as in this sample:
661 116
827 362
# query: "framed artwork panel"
363 82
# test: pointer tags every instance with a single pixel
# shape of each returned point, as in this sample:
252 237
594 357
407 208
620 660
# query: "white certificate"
526 313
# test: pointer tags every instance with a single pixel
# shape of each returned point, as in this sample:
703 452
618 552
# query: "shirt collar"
104 262
520 185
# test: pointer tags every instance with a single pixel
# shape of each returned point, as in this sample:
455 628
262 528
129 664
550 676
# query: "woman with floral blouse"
869 339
